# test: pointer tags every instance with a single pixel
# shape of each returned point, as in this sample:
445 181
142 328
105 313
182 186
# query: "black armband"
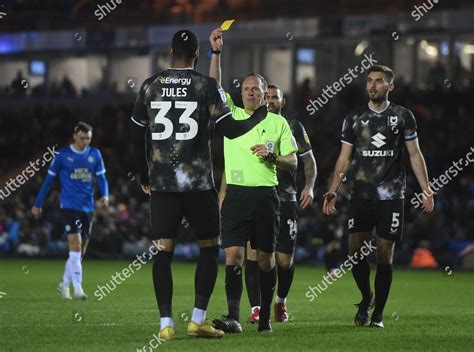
231 128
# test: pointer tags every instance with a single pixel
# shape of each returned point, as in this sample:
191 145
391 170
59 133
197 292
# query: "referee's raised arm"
216 48
217 99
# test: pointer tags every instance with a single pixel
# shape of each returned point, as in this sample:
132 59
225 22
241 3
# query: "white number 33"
163 108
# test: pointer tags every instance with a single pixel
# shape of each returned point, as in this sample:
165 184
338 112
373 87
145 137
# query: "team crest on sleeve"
393 123
90 159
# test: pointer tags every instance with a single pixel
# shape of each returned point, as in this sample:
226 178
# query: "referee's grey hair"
260 77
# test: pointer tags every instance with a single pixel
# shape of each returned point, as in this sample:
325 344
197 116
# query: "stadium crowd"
445 124
38 14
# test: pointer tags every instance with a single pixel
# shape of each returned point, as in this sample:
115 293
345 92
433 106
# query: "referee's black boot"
264 326
362 316
228 325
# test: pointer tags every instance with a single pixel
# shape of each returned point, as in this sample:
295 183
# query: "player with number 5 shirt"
375 137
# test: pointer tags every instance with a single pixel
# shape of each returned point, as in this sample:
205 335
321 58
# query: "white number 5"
163 107
395 220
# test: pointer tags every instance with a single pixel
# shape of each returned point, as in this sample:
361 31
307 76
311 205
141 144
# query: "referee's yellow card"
226 25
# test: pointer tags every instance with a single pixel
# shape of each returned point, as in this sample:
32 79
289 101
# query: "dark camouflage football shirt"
378 138
177 106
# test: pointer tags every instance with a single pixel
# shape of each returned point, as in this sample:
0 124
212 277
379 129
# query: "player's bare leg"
163 285
252 282
266 262
285 273
383 279
361 274
204 282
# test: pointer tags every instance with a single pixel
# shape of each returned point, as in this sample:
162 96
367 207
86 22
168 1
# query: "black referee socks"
233 289
163 282
205 276
267 287
361 274
383 281
252 281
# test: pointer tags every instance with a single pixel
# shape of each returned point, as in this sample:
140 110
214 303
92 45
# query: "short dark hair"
276 86
260 77
385 69
184 44
82 127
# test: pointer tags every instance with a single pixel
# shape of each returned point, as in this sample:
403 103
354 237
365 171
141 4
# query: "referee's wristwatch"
271 157
216 52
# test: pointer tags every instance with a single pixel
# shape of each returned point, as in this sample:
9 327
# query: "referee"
251 207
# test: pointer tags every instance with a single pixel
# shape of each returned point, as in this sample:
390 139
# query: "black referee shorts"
250 213
386 216
201 209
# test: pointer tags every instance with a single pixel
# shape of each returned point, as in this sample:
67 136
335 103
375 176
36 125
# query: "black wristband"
217 52
271 157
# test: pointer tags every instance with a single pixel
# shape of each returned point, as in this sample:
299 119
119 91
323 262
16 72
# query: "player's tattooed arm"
342 164
310 173
288 162
418 165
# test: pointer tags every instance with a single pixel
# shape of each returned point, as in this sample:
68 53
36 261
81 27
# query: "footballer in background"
76 166
375 136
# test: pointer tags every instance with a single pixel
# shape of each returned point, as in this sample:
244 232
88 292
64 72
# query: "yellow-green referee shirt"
242 167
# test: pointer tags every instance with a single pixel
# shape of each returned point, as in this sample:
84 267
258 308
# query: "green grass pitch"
426 311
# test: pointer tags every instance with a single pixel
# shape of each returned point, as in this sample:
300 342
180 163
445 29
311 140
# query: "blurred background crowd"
51 78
